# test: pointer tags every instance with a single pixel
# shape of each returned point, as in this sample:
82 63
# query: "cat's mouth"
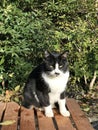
57 74
53 75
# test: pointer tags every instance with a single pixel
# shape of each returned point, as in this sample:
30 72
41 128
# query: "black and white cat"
46 84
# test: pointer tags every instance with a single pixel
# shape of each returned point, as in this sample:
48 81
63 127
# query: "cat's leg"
45 103
48 107
48 111
62 107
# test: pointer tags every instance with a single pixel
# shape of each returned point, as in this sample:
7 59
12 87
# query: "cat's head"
55 63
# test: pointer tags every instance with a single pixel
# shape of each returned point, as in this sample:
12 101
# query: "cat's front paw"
48 111
49 114
65 113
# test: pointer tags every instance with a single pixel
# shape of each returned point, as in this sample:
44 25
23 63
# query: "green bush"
28 28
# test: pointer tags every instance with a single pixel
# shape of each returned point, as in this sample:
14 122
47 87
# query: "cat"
46 84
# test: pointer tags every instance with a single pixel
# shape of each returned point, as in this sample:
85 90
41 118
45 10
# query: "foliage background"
29 27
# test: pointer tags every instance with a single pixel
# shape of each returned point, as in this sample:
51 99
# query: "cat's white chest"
56 84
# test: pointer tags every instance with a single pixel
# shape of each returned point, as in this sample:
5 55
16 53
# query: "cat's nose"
56 73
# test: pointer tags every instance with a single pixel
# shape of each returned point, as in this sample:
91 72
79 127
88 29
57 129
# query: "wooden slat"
27 119
45 123
81 121
11 114
10 111
2 108
63 123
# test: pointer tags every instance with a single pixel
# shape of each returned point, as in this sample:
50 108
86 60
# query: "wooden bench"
26 119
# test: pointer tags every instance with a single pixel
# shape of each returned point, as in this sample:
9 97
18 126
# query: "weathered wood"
44 122
11 114
2 108
79 118
63 123
27 119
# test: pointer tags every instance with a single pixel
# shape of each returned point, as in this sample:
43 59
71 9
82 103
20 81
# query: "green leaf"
2 60
9 122
86 109
17 88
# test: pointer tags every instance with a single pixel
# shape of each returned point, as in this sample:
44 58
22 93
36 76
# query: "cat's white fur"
57 85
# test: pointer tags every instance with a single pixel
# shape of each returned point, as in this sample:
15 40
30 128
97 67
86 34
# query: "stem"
93 81
85 79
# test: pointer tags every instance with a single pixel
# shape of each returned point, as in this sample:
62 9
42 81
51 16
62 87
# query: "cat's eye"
61 66
51 66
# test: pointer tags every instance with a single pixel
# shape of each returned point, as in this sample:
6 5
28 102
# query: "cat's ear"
64 54
46 54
